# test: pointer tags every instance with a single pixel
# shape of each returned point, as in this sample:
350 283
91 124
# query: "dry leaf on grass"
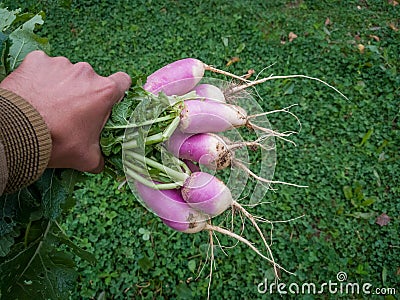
375 37
393 27
328 22
382 220
292 36
232 60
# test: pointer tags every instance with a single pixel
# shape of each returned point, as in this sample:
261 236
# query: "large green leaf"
4 48
7 18
53 194
24 40
38 270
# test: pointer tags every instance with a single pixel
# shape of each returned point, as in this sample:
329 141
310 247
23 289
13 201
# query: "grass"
347 152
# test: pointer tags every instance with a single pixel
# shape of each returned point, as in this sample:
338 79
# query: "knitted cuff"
26 141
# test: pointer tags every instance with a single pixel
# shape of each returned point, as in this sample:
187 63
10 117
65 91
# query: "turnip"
184 114
177 78
209 92
211 196
201 191
170 207
211 116
176 212
208 149
207 193
181 76
214 152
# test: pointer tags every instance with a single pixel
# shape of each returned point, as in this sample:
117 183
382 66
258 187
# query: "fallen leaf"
393 26
375 37
232 60
393 2
328 22
361 47
398 272
292 36
249 73
382 220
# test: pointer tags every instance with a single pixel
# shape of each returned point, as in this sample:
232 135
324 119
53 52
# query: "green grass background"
347 152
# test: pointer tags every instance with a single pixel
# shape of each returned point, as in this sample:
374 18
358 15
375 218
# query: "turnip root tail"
245 241
248 83
249 216
269 182
215 70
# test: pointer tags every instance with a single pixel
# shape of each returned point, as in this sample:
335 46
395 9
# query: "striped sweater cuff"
26 140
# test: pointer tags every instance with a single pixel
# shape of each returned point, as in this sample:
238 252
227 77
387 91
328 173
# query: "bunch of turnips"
172 133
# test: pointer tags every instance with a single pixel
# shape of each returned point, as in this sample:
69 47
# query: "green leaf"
192 265
24 40
53 194
38 271
183 291
6 243
384 275
145 263
361 215
348 192
368 202
69 178
76 249
366 137
4 50
240 48
7 18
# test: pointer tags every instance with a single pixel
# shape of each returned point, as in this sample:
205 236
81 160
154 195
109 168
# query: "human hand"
74 101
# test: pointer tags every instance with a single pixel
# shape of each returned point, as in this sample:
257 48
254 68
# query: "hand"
75 103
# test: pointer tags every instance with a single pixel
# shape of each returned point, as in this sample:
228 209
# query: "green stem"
28 228
130 145
148 122
171 128
158 186
175 175
155 138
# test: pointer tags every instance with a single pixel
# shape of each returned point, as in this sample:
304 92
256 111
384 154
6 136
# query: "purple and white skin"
207 149
209 92
177 78
171 208
207 193
210 116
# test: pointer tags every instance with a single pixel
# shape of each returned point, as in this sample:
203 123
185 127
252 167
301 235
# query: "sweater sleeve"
25 143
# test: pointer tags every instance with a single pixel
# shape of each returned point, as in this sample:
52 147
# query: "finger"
123 82
94 160
99 167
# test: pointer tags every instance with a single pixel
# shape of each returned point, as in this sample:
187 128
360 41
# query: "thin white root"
267 67
215 70
241 165
253 221
245 241
285 110
256 204
259 81
220 245
261 219
211 263
256 143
